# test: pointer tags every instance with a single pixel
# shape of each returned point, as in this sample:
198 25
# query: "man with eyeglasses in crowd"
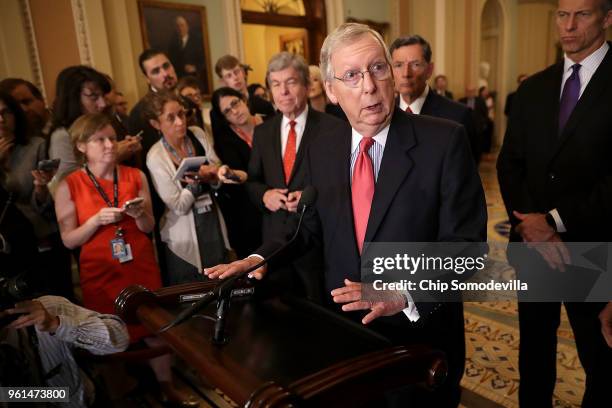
390 177
233 74
412 68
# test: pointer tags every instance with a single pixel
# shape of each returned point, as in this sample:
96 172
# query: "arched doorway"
270 26
491 65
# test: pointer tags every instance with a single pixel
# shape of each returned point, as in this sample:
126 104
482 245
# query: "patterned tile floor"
492 336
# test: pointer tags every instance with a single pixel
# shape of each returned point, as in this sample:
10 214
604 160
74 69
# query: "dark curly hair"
69 84
216 99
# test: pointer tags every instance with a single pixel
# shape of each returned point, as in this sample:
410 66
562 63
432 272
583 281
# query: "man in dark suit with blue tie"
412 68
556 181
389 177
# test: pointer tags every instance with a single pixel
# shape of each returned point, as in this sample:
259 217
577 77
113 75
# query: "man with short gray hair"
412 68
389 177
276 170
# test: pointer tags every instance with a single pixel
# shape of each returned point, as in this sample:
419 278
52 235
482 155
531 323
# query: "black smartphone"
230 175
48 165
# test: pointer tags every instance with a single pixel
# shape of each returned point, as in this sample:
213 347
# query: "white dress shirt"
300 125
376 154
587 69
417 104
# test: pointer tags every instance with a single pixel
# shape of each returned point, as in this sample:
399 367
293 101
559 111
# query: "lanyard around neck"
101 191
173 151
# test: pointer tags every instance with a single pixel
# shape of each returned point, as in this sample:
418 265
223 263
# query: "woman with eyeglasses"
79 89
192 226
233 142
105 209
20 154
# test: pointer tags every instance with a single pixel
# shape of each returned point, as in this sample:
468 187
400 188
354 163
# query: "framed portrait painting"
181 31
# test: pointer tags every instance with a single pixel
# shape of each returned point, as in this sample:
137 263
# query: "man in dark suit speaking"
556 181
390 177
412 68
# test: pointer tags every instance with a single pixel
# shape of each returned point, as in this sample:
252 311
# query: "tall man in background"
555 179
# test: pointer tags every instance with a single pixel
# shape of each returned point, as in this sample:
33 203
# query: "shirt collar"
591 62
418 103
300 120
380 138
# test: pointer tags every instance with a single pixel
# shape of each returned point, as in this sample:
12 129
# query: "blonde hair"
84 127
315 71
346 34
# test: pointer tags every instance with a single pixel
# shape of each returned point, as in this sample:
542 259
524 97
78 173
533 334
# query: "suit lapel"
340 160
430 105
395 166
277 157
596 86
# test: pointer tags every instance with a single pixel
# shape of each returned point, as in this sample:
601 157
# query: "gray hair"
346 34
284 60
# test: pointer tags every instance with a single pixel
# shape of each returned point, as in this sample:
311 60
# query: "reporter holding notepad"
192 227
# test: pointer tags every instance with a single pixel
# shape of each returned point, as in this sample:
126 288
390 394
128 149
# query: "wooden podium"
283 353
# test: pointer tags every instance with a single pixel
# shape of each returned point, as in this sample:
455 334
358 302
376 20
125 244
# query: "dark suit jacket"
447 94
136 123
266 166
442 107
480 111
192 53
266 172
428 190
508 105
540 168
243 219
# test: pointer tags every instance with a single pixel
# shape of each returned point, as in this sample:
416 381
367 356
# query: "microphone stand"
223 291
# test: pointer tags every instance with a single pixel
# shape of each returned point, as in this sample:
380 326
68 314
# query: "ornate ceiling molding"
82 33
37 75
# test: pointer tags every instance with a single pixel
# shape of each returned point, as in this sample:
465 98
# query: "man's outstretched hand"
351 293
223 271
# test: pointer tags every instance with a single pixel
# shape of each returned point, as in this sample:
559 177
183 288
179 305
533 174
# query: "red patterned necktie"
362 190
289 156
408 109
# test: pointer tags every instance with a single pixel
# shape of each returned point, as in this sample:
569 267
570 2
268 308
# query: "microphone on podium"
307 200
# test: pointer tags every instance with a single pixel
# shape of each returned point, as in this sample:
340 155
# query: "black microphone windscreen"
308 198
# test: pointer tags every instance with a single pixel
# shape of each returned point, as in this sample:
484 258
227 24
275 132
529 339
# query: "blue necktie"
569 97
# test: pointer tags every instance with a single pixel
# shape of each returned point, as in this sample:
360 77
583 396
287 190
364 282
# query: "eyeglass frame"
362 73
94 96
231 106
